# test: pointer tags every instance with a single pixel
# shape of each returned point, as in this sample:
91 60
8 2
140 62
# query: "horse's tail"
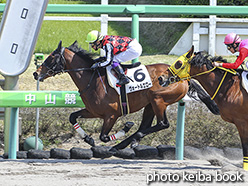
195 90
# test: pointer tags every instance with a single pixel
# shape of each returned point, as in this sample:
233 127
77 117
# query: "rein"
60 62
77 70
218 88
232 71
199 74
222 80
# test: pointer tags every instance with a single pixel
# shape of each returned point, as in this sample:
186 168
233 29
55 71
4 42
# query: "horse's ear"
60 45
190 52
75 42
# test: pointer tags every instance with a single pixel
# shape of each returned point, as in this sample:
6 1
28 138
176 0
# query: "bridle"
175 78
58 64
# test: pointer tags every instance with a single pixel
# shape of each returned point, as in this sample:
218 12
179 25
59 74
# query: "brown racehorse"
102 101
229 95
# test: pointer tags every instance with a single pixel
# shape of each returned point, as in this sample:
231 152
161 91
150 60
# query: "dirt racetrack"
117 172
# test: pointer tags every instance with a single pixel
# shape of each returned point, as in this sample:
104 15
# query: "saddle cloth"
245 80
140 79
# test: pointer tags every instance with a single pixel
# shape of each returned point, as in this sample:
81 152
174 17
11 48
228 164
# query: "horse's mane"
81 52
201 59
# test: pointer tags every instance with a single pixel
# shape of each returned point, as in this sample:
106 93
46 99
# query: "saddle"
140 80
244 76
129 66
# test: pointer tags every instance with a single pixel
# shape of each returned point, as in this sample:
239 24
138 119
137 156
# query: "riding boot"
123 79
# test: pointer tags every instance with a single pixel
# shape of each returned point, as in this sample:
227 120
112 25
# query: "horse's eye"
178 64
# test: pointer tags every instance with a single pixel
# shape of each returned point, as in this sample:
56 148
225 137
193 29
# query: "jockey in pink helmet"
235 44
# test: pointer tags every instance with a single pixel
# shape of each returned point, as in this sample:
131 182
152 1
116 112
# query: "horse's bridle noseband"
58 66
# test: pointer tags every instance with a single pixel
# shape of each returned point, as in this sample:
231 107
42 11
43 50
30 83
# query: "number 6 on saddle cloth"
140 80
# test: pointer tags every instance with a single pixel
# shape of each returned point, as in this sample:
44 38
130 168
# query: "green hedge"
202 128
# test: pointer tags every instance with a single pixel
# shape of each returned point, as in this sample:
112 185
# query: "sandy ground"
120 172
117 172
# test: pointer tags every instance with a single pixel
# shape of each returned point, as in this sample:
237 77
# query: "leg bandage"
121 133
245 163
117 135
81 132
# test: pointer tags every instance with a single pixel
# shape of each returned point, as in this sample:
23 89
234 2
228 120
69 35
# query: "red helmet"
232 38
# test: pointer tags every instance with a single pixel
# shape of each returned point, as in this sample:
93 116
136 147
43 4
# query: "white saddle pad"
245 80
139 75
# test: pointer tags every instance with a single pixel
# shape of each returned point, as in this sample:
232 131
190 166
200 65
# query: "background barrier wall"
17 99
40 99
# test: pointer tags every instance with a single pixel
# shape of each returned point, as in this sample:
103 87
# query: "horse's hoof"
164 125
128 126
105 138
139 135
134 144
90 141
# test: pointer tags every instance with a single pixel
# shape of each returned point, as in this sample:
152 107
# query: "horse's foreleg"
159 107
108 124
84 113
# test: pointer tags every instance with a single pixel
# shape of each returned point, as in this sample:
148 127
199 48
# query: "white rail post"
212 31
104 24
196 36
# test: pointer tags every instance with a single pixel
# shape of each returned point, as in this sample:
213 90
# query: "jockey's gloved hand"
100 59
217 64
95 66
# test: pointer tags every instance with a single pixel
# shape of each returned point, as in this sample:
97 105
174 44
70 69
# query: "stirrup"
120 83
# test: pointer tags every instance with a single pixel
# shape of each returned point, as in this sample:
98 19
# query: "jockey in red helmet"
118 49
235 44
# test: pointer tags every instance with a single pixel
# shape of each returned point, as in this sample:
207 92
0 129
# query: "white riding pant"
133 51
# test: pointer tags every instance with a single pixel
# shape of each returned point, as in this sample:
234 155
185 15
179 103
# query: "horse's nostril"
160 79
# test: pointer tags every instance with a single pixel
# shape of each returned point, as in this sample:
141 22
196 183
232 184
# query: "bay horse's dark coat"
99 104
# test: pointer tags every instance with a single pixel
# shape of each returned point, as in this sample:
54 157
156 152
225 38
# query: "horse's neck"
81 78
211 83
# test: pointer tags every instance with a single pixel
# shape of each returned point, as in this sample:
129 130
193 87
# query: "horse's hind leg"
162 123
84 113
146 122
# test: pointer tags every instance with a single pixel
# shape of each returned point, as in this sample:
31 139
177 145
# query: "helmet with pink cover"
232 38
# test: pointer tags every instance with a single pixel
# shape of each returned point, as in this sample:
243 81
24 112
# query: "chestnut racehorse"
102 101
222 84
